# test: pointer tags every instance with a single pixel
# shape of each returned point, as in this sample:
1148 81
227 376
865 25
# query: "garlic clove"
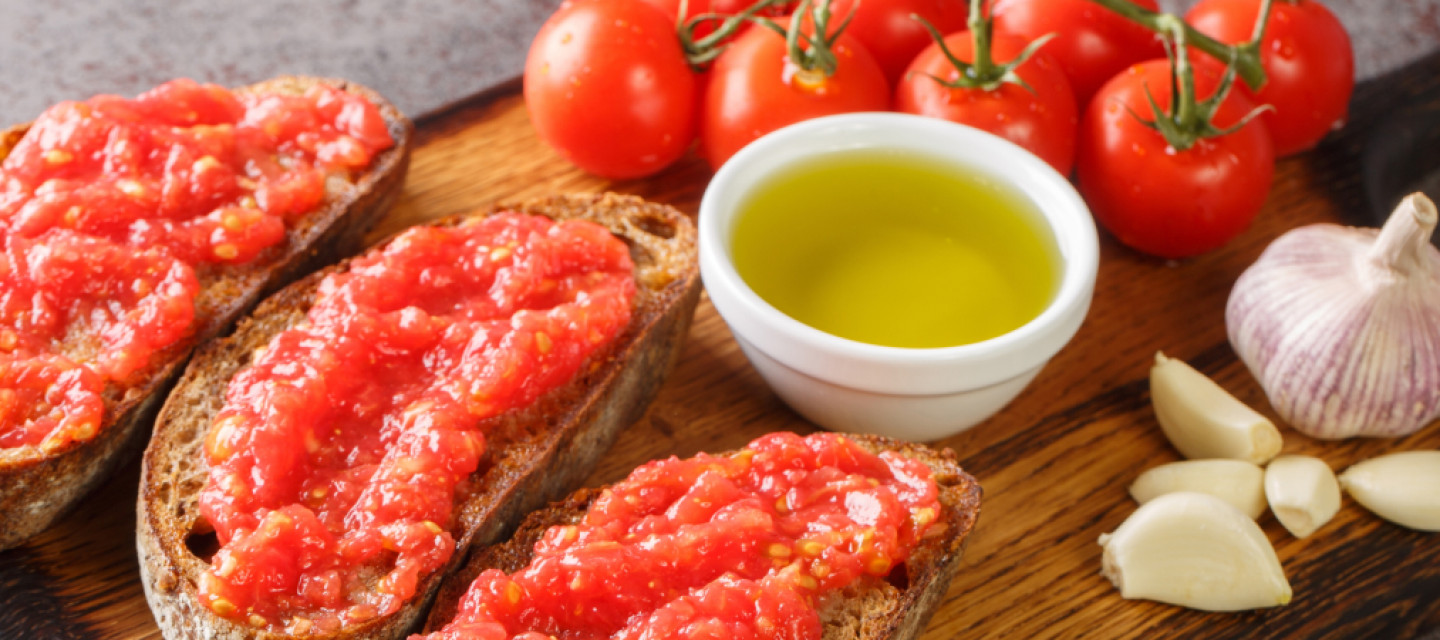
1302 492
1338 325
1194 550
1204 421
1237 482
1403 488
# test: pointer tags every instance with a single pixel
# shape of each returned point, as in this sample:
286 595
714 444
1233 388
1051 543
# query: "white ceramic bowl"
914 394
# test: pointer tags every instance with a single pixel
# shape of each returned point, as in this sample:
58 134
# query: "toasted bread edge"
35 492
871 610
583 417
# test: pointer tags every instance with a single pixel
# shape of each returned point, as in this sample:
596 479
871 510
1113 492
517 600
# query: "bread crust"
533 456
36 490
871 609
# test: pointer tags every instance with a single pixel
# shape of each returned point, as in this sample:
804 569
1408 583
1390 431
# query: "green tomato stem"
1183 96
704 50
979 25
1189 120
984 73
819 56
1245 57
1260 24
792 36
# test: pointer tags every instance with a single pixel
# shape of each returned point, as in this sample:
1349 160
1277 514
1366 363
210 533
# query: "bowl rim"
901 370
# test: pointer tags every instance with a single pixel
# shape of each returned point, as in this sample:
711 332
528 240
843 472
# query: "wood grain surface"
1055 464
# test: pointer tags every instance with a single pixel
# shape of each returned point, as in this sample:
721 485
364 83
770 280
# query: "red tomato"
672 7
1307 56
887 31
1043 122
732 7
1091 43
1164 202
755 89
607 86
721 7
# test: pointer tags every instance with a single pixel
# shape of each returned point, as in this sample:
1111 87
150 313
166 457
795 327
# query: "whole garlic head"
1341 325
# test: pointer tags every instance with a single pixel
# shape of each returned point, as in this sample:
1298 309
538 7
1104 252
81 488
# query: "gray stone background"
423 54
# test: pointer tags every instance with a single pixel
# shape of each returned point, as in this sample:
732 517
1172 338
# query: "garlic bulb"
1340 325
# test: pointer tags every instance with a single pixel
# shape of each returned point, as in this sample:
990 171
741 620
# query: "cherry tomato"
1161 201
1043 122
672 7
608 87
887 31
1091 43
720 7
755 88
1307 56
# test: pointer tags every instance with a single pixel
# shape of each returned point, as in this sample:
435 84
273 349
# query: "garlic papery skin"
1403 488
1197 551
1302 493
1341 326
1237 482
1202 420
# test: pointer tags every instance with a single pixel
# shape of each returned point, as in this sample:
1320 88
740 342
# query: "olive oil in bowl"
896 249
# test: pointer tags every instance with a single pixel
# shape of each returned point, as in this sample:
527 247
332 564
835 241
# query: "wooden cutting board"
1055 464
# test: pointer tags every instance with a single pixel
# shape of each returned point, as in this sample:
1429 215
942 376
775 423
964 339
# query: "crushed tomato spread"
740 546
107 206
336 457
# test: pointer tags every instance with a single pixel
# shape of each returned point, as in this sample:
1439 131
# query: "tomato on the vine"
1157 199
1091 43
1042 119
732 7
719 7
886 30
672 7
755 88
608 86
1307 58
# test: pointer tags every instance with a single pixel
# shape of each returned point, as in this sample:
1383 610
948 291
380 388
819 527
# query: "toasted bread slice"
533 456
35 490
893 608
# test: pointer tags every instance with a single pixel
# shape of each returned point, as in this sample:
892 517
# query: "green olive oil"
896 249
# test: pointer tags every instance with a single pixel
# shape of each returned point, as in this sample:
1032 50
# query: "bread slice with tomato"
892 604
39 484
533 453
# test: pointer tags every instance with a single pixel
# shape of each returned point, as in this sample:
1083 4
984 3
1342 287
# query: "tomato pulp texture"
335 462
1042 119
1159 200
608 87
1307 59
739 546
1091 43
107 207
755 88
